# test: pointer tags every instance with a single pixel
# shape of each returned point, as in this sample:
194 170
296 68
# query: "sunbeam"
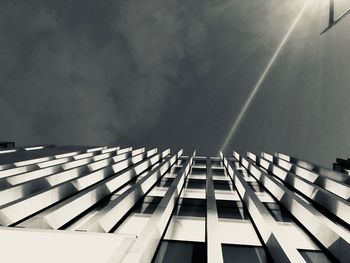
246 105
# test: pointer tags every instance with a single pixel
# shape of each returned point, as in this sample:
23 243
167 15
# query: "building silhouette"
112 204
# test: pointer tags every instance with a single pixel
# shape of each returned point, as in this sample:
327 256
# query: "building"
7 145
112 204
342 165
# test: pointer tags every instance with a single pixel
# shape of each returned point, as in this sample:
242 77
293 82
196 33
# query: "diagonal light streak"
246 105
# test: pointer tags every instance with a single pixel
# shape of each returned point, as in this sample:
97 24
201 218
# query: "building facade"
112 204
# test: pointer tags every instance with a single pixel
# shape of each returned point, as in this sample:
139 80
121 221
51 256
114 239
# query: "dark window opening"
147 205
196 184
179 162
216 164
314 256
191 207
200 163
256 187
244 254
179 251
176 169
231 209
279 213
199 171
218 172
222 185
165 182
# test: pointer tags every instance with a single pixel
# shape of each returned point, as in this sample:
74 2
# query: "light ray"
246 105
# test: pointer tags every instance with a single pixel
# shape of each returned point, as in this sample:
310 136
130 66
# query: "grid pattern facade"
171 207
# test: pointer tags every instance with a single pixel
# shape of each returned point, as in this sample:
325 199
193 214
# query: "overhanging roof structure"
112 204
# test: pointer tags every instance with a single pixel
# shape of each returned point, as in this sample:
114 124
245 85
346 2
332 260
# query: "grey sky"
175 73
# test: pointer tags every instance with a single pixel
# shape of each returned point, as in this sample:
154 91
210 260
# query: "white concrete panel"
19 245
238 232
186 229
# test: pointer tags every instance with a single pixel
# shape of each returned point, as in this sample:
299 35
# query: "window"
215 164
165 182
147 205
244 254
176 169
192 207
180 162
200 163
256 187
278 212
231 209
179 251
199 171
196 184
314 256
218 172
222 185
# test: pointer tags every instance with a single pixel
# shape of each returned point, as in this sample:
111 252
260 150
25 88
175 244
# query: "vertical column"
114 175
214 251
331 174
117 208
334 204
330 236
267 227
340 189
146 245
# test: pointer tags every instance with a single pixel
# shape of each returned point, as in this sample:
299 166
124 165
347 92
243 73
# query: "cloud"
172 73
74 74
